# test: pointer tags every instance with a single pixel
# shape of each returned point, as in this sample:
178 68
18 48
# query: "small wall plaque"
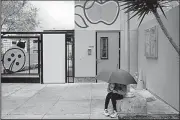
151 42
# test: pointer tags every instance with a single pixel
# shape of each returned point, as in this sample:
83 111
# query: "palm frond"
135 14
143 18
126 3
143 7
129 6
135 7
141 14
162 11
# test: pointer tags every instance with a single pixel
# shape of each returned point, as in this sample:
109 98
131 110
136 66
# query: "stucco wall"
86 36
133 51
162 74
124 44
84 64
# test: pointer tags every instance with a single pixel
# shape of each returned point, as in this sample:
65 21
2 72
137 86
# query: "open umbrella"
118 76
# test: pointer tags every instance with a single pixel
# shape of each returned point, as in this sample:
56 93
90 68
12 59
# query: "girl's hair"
109 86
120 87
112 83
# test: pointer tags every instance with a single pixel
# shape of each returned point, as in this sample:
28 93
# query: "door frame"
108 31
65 32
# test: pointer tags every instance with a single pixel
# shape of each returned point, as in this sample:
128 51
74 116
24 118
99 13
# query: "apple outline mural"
11 56
82 21
101 4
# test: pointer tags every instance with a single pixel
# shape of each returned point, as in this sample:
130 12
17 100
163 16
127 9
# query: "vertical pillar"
128 41
128 46
0 50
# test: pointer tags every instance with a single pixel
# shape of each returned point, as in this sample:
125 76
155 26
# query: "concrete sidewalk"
61 101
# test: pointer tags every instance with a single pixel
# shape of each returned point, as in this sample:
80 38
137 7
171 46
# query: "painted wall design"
15 58
95 12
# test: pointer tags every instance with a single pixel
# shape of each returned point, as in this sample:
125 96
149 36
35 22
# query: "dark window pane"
104 47
13 42
35 41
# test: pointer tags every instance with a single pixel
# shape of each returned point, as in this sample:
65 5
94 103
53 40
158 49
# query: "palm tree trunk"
165 31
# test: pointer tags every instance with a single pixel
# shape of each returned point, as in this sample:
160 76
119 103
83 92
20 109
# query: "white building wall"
85 66
162 75
133 51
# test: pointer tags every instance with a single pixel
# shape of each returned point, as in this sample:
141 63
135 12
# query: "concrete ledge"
134 105
20 79
149 117
84 80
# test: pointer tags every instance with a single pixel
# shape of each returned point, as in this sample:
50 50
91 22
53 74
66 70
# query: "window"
13 42
35 41
104 47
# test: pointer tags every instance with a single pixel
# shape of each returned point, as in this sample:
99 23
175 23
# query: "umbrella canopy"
119 76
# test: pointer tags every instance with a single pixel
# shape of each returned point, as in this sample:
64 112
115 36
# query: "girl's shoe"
106 113
114 114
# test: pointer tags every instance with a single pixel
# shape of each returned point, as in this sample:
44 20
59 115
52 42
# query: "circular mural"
13 60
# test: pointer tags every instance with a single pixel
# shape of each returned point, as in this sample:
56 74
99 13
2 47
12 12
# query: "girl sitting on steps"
115 92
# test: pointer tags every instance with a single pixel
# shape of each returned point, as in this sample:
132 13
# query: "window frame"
101 49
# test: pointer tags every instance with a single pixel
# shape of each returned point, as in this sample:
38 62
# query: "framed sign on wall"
151 43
